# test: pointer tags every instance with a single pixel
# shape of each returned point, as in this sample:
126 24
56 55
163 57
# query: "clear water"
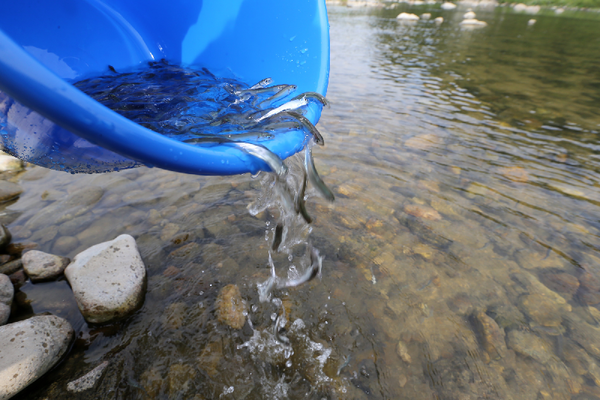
465 168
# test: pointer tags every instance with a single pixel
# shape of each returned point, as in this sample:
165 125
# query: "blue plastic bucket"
46 45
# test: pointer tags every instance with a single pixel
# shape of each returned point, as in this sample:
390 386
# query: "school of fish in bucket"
196 107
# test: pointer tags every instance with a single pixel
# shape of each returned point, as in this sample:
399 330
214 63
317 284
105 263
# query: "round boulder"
108 279
41 266
28 349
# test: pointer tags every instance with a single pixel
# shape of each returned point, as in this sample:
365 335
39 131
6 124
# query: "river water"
461 254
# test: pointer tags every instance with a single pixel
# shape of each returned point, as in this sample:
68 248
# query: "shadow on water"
461 256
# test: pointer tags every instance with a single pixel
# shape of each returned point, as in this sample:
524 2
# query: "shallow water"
461 254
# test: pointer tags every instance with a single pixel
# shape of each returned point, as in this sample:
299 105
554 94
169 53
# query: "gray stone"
9 191
5 237
530 345
7 292
11 267
87 381
492 335
78 203
108 279
28 349
65 244
41 266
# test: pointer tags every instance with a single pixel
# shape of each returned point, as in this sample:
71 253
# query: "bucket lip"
29 82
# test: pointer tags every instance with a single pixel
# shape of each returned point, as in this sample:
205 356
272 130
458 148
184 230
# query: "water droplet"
292 38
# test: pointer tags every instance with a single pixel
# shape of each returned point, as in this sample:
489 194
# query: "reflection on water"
461 255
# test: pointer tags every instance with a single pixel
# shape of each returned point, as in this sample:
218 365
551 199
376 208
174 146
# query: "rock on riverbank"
28 349
6 297
108 279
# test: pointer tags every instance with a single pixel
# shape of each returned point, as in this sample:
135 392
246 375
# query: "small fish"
290 105
133 383
313 95
300 203
277 332
309 125
278 236
275 89
265 82
311 272
314 177
261 152
344 365
282 93
112 69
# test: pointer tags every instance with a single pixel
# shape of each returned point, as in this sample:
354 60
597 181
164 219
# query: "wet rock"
41 266
174 315
65 244
188 251
530 345
10 163
231 308
18 279
423 142
9 191
6 296
424 212
492 336
589 282
44 235
402 352
76 225
210 357
530 259
515 174
28 349
535 287
461 304
541 309
151 381
16 249
78 203
580 361
5 238
88 381
179 379
586 335
169 231
561 282
11 267
108 279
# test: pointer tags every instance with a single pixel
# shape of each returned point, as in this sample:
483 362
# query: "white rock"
448 6
7 292
87 381
531 22
41 266
108 279
559 10
533 9
425 16
28 349
473 23
519 7
439 20
407 17
469 15
9 163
